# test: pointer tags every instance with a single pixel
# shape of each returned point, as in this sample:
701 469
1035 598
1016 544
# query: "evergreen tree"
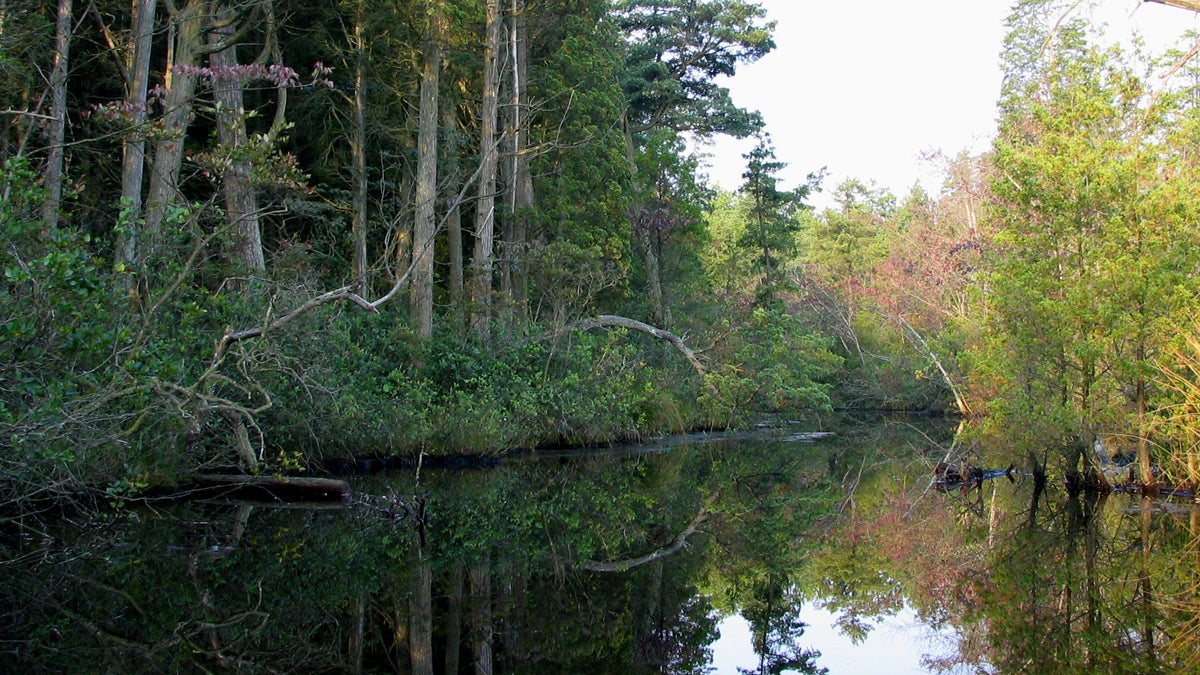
771 217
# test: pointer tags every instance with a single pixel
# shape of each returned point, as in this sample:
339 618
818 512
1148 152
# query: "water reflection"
620 562
897 644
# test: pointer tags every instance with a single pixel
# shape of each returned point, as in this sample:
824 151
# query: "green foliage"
727 265
370 386
771 225
677 49
772 363
1085 283
846 244
582 180
118 375
55 328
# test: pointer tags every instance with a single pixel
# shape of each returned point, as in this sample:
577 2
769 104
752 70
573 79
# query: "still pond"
776 551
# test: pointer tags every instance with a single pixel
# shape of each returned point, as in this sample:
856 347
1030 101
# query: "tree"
771 223
189 23
485 210
726 264
513 276
578 238
676 51
844 245
424 222
241 201
665 211
133 144
56 137
1087 273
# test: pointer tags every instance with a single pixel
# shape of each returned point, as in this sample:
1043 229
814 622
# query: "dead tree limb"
614 321
674 547
959 401
345 293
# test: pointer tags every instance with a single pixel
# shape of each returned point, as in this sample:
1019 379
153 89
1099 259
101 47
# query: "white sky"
865 87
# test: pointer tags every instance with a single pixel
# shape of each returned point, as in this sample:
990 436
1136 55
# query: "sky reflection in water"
895 646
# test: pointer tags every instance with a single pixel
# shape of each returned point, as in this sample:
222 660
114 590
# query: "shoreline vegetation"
236 240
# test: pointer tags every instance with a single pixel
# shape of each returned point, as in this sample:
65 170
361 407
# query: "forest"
274 237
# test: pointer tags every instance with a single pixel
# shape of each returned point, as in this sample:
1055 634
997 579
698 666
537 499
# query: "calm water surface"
767 552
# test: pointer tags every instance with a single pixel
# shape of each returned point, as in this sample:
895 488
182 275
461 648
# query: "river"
778 550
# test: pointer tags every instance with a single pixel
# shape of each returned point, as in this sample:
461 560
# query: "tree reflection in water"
1032 581
1029 584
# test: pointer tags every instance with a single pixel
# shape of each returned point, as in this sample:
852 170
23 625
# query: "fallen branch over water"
272 488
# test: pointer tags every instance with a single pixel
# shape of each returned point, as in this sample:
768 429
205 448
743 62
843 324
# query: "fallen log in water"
271 488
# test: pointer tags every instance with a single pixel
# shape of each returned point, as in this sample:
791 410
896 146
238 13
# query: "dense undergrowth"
109 386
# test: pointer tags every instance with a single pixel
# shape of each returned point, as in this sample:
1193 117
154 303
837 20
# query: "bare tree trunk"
188 25
358 154
485 208
133 150
454 617
480 584
453 216
420 631
1143 446
57 128
426 192
648 245
513 281
241 202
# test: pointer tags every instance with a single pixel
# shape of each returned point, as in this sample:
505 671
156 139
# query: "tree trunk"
480 584
514 280
453 216
57 127
358 620
420 625
485 208
648 245
133 150
188 25
426 189
358 154
454 617
241 202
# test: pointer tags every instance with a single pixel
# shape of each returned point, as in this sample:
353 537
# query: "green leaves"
677 49
1088 279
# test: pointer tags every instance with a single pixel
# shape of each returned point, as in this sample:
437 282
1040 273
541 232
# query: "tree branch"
614 321
674 547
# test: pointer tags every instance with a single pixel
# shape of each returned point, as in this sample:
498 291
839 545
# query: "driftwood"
271 488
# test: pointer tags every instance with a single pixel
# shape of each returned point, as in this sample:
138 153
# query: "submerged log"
272 488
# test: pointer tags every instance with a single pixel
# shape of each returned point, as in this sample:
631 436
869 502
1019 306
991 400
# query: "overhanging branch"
614 321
